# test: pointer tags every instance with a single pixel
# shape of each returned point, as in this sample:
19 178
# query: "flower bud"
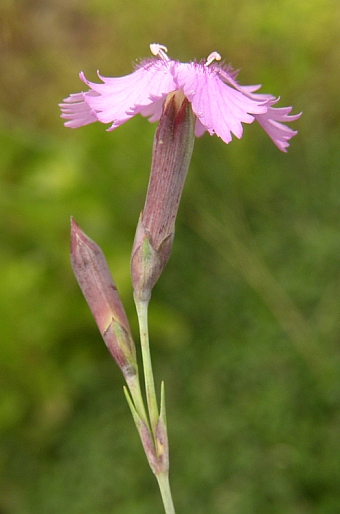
94 278
172 150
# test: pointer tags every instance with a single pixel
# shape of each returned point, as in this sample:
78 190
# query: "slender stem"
142 312
162 476
164 486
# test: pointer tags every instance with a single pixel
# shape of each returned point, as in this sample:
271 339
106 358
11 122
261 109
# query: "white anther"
159 51
214 56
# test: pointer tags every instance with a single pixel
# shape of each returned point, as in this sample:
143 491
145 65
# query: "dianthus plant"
186 99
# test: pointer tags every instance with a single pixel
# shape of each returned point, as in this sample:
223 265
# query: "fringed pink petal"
118 100
219 108
270 122
76 110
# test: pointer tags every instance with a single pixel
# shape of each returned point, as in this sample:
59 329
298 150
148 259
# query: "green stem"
162 476
164 486
142 312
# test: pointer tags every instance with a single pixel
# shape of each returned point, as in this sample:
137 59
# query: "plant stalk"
142 312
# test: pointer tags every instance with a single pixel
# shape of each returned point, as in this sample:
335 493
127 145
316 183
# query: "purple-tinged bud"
94 278
172 150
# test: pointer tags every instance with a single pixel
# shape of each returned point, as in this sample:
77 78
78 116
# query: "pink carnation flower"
220 104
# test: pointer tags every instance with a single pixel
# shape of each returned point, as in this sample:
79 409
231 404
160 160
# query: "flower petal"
280 134
119 99
153 111
77 111
220 108
199 128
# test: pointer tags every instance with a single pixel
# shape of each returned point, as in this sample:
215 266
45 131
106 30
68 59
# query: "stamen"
159 51
214 56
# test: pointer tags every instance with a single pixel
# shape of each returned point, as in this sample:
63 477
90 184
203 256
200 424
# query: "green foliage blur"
244 322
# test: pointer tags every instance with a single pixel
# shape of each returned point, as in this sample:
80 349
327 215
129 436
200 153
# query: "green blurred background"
245 321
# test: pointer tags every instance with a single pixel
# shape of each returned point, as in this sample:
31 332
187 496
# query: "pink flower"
220 104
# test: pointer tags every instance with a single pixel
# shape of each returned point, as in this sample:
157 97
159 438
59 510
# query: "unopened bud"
95 280
172 150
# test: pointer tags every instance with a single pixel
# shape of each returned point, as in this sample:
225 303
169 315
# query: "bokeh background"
245 321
